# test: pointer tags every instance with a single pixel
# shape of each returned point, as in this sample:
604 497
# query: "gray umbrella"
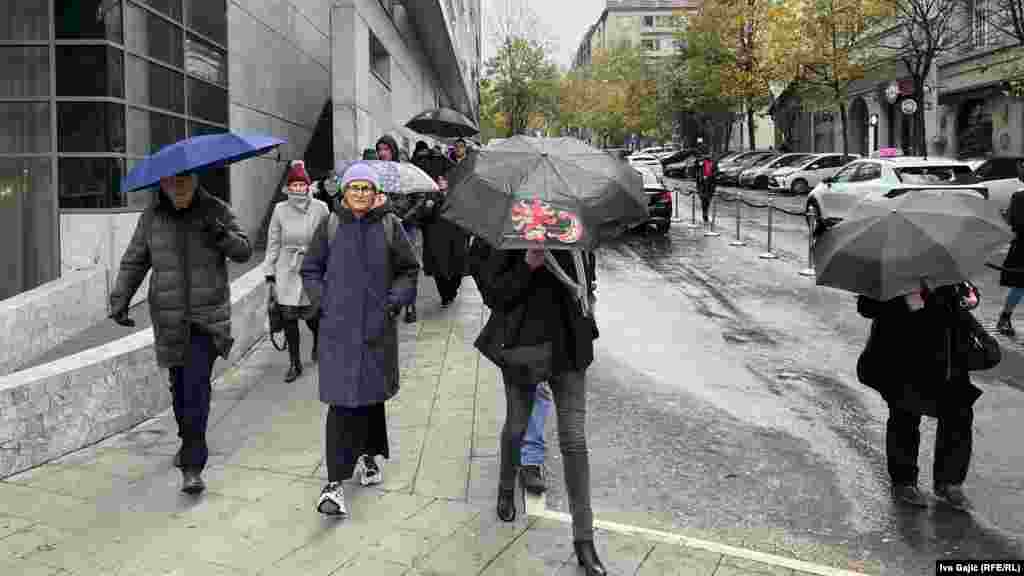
888 246
544 192
443 122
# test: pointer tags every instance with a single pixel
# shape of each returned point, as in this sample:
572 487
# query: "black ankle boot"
586 555
1004 326
293 372
506 504
410 315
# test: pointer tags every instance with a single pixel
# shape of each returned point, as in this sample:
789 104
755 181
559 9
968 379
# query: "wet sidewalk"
115 508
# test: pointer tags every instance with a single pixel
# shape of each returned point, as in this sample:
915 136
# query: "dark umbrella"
544 192
196 154
443 122
887 247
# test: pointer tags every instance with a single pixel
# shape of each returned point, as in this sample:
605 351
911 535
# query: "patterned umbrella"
401 178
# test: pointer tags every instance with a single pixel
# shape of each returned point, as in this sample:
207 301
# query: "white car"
834 198
657 150
802 177
648 161
1000 176
757 175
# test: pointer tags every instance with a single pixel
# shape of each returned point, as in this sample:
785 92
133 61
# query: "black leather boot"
506 504
1004 326
586 555
293 372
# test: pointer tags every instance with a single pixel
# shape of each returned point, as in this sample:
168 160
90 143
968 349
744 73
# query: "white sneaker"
332 501
368 472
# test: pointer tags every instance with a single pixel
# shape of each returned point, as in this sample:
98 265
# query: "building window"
205 61
25 20
88 19
151 35
651 45
26 127
90 71
648 21
28 220
209 18
979 23
170 8
90 182
380 61
151 131
90 127
25 70
207 101
154 85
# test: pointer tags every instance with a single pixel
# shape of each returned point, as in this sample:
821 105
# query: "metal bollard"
675 206
714 217
739 239
770 255
809 271
693 212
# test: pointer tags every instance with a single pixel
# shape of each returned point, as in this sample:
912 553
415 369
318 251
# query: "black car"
659 202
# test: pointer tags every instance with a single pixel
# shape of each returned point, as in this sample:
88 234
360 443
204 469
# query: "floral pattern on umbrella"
537 221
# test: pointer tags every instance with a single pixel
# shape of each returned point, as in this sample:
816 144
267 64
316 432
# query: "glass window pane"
90 71
155 85
207 101
28 225
199 129
171 8
25 20
204 61
89 183
139 199
76 19
209 18
149 131
26 127
25 71
90 127
153 36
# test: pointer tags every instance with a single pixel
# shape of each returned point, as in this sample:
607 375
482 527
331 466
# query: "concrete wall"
98 240
57 408
37 320
365 107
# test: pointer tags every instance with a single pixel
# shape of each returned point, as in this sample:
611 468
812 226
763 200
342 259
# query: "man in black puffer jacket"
184 237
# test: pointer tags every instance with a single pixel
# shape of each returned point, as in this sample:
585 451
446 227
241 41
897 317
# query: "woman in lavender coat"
360 276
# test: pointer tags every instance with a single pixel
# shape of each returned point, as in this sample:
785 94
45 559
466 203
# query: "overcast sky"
563 21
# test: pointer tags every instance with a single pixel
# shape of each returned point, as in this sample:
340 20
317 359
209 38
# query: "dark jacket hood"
396 152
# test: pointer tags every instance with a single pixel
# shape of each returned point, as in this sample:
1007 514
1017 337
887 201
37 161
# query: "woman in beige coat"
291 229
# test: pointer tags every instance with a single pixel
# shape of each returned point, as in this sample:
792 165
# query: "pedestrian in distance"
708 173
444 246
1013 274
359 271
911 360
185 237
403 206
531 306
291 230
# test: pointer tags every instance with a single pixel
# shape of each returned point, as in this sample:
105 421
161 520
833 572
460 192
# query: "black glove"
392 311
122 319
271 280
215 228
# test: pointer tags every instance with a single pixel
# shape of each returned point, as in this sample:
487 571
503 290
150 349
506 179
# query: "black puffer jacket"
186 249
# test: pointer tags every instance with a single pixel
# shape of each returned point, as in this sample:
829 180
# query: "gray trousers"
570 395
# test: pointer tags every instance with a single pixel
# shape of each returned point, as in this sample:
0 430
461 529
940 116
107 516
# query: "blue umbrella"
195 154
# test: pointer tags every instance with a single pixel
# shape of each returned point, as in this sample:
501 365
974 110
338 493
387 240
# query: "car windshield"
792 160
764 161
955 174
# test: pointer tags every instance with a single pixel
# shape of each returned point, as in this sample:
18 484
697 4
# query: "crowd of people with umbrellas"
523 217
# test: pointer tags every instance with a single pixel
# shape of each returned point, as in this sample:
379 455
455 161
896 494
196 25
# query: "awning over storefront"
427 17
976 92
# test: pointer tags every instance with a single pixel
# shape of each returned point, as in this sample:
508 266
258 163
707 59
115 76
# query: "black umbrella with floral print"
553 193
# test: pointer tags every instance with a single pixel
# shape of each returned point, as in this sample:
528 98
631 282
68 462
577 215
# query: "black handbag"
275 317
979 349
534 362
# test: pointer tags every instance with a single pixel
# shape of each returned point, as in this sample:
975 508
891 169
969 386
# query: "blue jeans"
1013 297
533 441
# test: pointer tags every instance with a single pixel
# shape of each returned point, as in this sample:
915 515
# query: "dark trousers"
570 395
351 433
191 391
705 207
448 288
953 441
291 335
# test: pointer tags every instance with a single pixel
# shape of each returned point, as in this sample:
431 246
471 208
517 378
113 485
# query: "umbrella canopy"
397 177
196 154
443 122
544 192
887 247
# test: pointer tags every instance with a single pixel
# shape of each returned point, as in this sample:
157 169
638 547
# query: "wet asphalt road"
723 404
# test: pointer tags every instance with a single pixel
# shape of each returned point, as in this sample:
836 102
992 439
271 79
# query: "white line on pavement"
536 506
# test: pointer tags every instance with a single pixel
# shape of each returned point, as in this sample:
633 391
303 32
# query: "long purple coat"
357 281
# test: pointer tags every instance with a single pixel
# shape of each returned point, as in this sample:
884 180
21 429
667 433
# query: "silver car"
757 175
802 177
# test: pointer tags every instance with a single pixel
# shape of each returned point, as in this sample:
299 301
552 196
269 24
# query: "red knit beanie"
297 173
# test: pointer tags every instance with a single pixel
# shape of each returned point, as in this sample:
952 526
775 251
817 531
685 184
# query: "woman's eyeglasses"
361 189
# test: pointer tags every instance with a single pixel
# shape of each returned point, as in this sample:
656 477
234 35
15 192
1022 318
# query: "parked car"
659 201
834 198
730 175
647 161
1000 175
757 175
656 150
802 177
674 164
618 153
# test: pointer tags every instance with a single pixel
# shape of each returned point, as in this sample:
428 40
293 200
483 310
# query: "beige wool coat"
291 230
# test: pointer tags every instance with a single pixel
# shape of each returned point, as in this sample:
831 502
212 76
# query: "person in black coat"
913 361
1013 274
530 306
